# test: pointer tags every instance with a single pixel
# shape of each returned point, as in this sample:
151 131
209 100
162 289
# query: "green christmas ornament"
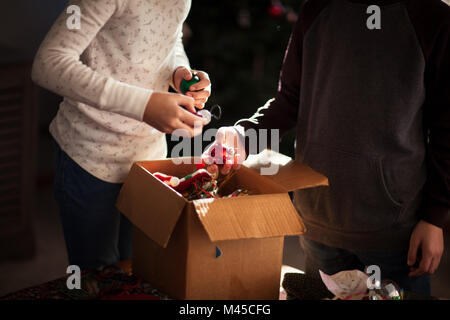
186 84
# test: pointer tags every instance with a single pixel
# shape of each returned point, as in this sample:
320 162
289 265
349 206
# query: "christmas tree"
241 44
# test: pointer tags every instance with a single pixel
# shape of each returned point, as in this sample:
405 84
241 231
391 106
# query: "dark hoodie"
372 112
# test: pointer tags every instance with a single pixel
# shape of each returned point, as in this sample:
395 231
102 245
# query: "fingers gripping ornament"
215 112
220 158
186 84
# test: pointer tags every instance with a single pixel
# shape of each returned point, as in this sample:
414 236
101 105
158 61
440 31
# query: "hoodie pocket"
358 198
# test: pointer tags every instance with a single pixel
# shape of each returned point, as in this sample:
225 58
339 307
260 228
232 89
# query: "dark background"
240 44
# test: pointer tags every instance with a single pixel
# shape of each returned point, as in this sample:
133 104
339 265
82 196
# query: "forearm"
58 68
68 77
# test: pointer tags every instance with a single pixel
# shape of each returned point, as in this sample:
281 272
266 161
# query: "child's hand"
199 91
165 113
430 240
229 138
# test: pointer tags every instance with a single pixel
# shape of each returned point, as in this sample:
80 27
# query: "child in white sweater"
114 73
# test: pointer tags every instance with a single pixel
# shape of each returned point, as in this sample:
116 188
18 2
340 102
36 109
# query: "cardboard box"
227 248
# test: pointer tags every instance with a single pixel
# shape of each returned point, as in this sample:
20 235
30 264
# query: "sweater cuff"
436 215
125 99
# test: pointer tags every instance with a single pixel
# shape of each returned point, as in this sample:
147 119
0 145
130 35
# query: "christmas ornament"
276 9
200 184
186 84
291 16
216 113
220 158
200 176
243 19
238 193
169 180
390 290
205 114
197 185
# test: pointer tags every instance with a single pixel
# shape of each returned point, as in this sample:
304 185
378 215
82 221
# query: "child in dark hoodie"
371 108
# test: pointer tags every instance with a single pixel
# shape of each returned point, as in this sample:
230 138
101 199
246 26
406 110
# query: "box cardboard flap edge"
135 201
256 216
289 174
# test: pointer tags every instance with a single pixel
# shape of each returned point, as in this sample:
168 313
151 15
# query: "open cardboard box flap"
150 205
290 174
155 208
256 216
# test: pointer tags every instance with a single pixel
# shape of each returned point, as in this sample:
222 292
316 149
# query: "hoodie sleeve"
281 112
431 21
437 187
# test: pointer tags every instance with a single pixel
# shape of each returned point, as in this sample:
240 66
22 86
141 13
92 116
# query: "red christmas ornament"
200 176
291 16
222 157
199 166
169 180
218 159
276 9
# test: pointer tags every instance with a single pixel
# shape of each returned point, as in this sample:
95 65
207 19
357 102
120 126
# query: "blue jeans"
393 265
96 233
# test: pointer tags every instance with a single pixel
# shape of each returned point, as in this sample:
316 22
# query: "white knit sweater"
106 72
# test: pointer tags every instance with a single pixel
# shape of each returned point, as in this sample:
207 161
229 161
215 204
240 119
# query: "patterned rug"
118 283
110 283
